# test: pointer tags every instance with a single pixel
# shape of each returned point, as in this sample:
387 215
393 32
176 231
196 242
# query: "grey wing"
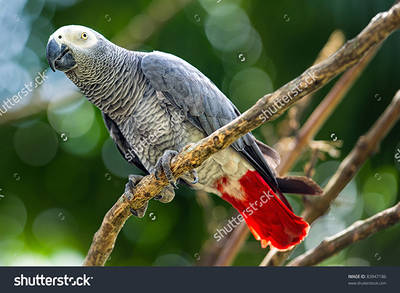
202 103
122 144
270 155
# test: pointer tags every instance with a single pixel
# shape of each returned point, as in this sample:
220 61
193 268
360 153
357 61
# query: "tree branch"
287 127
235 241
232 245
304 136
323 111
139 29
193 156
356 232
365 146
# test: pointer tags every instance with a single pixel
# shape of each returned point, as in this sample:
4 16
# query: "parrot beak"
59 56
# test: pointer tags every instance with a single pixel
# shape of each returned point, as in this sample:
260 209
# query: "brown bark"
365 146
312 79
301 141
322 112
356 232
291 123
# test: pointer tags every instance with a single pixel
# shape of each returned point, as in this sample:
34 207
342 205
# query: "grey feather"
142 97
121 143
271 156
202 102
299 185
188 89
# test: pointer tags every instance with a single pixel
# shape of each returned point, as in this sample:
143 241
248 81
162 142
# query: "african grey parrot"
154 104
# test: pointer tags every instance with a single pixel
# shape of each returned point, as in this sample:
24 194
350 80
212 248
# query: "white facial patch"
75 36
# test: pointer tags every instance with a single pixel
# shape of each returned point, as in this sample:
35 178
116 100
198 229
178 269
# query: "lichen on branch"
377 31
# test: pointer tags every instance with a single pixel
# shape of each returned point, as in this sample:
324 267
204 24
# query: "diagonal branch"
304 136
356 232
140 29
311 80
365 146
236 240
323 111
233 245
291 123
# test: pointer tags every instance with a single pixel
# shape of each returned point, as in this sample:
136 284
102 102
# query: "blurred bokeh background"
60 172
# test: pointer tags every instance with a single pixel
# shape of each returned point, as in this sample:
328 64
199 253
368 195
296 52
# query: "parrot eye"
59 36
84 36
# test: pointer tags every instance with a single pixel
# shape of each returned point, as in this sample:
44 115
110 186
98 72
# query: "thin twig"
235 241
323 112
311 80
354 233
365 146
291 123
305 135
138 31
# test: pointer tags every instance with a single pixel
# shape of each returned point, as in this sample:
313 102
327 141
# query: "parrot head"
73 47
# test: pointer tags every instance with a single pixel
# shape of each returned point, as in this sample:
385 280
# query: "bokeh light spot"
36 144
74 119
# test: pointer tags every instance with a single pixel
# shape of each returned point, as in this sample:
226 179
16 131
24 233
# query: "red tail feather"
268 218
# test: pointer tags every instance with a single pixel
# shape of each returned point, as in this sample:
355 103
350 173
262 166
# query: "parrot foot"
166 195
129 187
194 175
140 212
164 164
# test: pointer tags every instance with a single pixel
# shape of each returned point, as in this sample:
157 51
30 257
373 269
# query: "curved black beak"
59 56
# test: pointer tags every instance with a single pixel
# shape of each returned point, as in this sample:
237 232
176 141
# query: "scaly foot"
129 187
164 164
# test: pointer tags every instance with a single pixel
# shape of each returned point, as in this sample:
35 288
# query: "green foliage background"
51 209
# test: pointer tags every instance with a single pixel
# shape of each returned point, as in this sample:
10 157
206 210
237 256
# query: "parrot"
154 105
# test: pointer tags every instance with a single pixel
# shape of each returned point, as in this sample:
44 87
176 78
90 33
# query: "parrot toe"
129 187
195 177
164 164
139 212
133 180
166 195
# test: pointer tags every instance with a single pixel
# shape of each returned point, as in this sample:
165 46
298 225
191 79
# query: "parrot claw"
129 187
140 212
133 180
164 164
192 173
195 176
166 195
133 212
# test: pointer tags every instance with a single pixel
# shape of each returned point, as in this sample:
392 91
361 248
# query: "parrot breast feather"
204 105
